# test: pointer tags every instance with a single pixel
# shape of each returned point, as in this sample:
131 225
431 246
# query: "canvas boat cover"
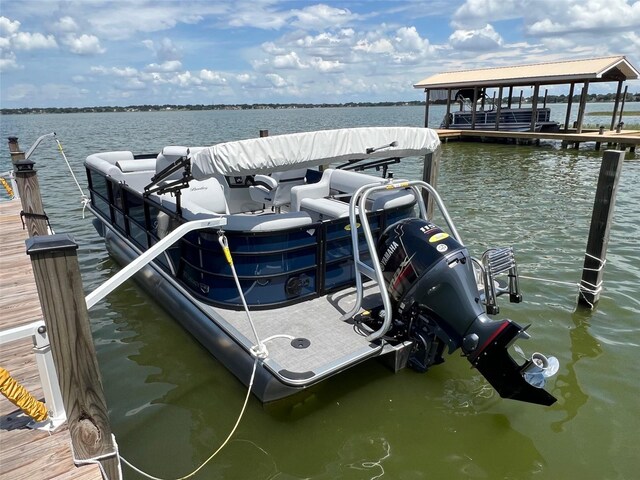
299 150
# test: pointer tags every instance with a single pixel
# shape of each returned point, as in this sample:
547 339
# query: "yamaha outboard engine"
436 303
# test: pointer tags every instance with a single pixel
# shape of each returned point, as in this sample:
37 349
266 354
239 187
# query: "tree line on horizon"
591 98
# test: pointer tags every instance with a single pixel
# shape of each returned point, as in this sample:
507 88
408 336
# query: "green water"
171 404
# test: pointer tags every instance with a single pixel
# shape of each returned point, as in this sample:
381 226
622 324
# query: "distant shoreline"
259 106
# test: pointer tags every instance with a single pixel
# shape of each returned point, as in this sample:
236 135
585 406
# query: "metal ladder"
357 206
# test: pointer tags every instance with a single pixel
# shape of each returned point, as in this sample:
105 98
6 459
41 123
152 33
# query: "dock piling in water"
601 219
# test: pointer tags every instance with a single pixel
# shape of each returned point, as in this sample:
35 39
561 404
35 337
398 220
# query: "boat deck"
332 341
24 453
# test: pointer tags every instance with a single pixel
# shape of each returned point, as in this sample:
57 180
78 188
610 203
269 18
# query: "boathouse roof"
603 69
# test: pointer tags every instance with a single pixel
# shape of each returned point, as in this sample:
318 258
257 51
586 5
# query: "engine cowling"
430 280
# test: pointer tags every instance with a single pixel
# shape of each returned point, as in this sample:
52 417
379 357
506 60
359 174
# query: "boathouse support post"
510 96
534 107
57 273
601 220
569 104
426 108
498 109
26 176
430 169
473 108
583 104
447 122
616 105
624 98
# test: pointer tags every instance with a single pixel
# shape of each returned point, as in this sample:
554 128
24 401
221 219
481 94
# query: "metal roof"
603 69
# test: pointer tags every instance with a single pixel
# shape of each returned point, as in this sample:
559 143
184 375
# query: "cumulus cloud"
276 80
211 77
66 25
32 41
8 27
168 66
321 16
83 44
8 62
476 40
289 61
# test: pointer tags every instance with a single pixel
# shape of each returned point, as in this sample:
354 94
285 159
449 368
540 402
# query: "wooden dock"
623 139
24 453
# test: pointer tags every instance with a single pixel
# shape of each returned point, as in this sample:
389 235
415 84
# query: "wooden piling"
26 177
264 133
57 274
430 175
601 219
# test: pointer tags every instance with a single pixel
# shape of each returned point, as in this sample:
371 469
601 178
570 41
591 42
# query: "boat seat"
202 199
137 165
267 223
166 157
325 208
275 190
341 184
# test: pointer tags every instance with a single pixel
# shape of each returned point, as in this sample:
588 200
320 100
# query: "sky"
116 53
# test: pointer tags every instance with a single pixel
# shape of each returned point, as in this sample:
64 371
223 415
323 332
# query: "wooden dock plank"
25 453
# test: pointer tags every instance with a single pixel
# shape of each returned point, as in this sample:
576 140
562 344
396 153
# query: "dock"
25 453
620 140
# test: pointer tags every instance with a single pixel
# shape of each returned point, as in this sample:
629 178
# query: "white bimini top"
307 149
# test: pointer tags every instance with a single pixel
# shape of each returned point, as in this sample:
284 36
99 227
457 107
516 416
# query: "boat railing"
149 255
357 206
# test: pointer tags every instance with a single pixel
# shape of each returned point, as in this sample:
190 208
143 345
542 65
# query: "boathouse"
474 84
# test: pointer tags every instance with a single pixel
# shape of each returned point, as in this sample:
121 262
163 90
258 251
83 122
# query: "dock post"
264 133
55 266
430 175
601 219
26 176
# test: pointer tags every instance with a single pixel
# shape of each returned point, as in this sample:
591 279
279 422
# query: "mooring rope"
583 285
85 199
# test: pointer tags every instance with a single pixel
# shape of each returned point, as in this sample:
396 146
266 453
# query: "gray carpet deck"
332 341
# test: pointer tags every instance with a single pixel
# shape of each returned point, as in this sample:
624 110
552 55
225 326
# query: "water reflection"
571 396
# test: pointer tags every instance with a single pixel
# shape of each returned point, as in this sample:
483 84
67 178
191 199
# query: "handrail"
143 260
375 273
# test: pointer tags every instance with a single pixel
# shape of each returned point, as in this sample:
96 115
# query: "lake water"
171 404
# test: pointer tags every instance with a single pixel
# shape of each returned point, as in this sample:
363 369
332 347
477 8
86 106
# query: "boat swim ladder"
357 205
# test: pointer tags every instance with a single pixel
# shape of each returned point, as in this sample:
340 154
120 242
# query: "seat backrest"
166 157
275 190
203 197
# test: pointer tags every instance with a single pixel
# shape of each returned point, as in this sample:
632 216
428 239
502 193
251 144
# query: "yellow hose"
22 399
7 187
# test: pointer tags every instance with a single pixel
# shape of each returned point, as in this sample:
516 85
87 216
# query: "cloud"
476 13
66 25
168 66
83 44
8 62
212 77
115 71
326 66
164 49
276 80
32 41
289 61
321 16
476 40
8 27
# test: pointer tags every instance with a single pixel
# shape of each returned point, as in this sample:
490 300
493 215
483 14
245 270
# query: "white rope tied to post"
85 199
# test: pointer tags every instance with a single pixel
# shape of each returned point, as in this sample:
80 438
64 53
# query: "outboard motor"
436 303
